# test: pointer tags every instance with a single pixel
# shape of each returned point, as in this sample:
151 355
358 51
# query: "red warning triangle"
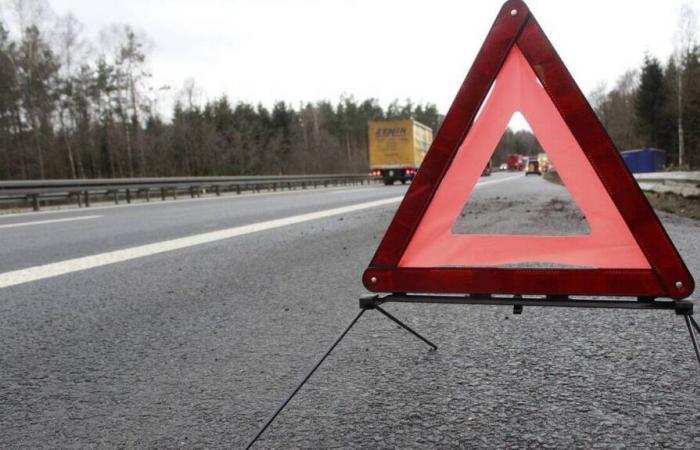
627 252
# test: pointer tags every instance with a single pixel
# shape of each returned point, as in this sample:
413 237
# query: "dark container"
645 160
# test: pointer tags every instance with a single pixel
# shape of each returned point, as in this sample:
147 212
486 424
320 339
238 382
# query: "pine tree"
649 103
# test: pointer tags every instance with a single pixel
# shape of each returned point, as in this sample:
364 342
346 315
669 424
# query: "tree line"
522 142
658 105
647 109
70 111
71 108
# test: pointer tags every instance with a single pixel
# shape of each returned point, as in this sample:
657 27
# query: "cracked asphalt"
195 348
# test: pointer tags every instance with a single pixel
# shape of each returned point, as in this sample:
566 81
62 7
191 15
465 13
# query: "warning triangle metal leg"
370 303
681 307
694 323
688 321
405 327
303 382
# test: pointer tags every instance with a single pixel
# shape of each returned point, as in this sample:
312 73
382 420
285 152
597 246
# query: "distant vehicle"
487 170
545 165
533 167
514 162
503 166
397 148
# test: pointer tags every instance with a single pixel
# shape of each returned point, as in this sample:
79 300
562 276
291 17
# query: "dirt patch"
533 209
667 202
566 211
552 177
676 204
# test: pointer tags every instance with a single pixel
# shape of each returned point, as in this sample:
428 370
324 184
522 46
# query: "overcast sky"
267 50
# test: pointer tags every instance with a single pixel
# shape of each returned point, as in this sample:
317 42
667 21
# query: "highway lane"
127 226
195 347
28 241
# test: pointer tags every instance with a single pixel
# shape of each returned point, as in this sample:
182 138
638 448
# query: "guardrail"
34 192
686 184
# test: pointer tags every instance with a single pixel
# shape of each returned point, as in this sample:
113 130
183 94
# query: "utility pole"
681 136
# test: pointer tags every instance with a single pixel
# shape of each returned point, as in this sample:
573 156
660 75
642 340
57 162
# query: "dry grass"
676 204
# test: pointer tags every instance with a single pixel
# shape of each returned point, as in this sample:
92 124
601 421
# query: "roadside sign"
626 253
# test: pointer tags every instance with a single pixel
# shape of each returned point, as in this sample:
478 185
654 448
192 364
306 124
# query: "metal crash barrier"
36 192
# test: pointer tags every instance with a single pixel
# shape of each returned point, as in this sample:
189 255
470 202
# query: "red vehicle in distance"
515 162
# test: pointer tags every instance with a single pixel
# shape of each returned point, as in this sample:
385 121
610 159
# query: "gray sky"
267 50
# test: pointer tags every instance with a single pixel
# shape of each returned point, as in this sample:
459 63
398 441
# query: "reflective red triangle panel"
419 255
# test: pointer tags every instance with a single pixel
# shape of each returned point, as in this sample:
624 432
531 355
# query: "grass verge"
676 204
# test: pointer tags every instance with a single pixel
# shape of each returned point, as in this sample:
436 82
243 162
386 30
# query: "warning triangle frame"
668 275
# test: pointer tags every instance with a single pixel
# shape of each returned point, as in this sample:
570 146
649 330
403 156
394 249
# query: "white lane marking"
21 276
498 180
43 222
352 191
182 199
37 273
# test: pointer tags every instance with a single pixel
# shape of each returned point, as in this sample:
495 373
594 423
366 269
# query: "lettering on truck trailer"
391 132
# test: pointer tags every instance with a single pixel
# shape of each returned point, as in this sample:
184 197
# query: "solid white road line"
21 276
36 273
42 222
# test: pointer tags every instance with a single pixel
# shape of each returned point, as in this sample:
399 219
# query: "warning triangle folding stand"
628 252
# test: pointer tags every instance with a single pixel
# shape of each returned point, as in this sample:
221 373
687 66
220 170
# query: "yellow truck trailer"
396 149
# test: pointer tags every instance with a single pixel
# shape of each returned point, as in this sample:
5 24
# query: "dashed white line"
44 222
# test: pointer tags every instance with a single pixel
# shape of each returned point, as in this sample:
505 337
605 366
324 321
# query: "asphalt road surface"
185 324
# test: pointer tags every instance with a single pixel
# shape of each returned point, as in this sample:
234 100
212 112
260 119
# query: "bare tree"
71 50
615 109
70 45
190 93
29 13
685 42
127 54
